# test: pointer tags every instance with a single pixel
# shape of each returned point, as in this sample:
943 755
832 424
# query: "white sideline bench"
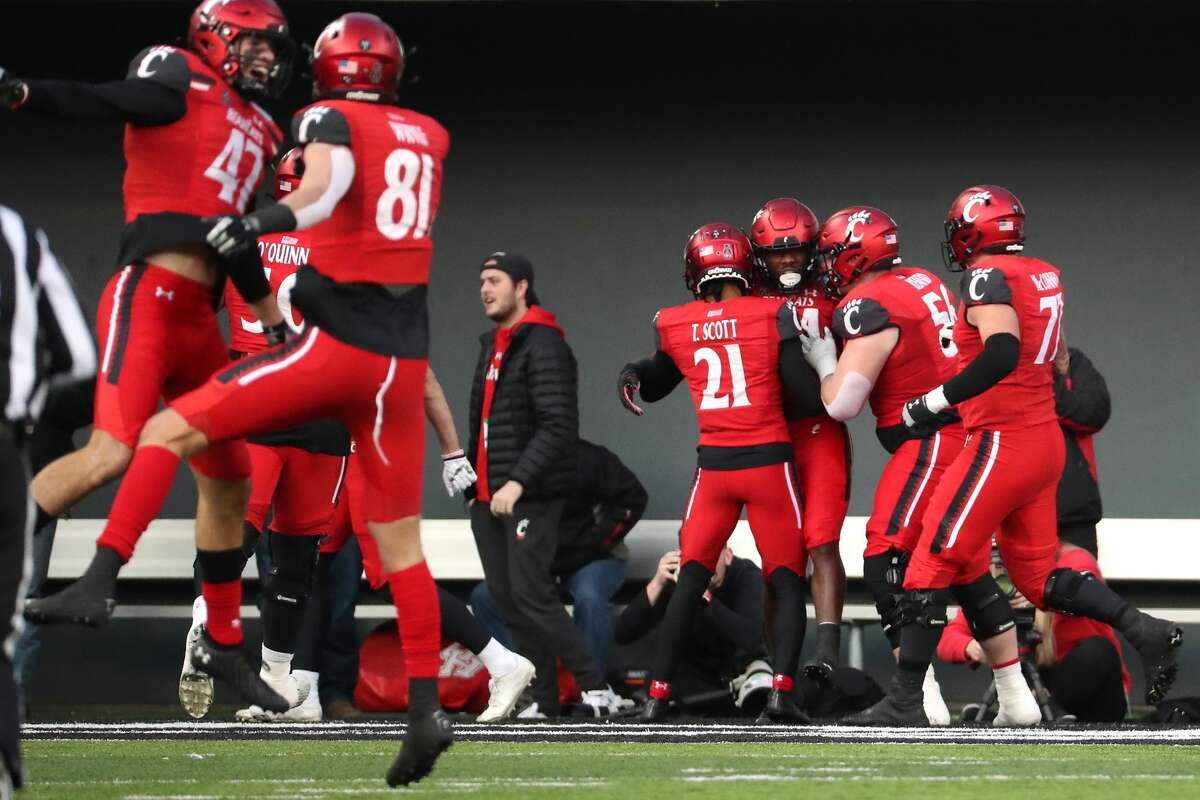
1130 549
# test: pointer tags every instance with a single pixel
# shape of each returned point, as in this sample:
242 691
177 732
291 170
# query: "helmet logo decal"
364 44
856 219
979 198
727 252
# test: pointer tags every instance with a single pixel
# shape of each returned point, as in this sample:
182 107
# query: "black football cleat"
232 665
819 670
1159 642
426 739
655 710
81 603
782 710
902 706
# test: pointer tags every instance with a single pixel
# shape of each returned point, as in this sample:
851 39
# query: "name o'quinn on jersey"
282 255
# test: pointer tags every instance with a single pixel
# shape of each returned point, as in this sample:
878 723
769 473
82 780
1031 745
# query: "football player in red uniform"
740 355
372 182
895 323
195 146
784 235
1004 479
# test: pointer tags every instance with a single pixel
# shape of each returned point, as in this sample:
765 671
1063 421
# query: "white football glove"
820 352
457 472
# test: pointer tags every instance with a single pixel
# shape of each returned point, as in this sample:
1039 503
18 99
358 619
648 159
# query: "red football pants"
1001 482
160 339
349 519
297 487
823 458
380 399
770 497
906 487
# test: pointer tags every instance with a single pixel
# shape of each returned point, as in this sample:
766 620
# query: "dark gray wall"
596 138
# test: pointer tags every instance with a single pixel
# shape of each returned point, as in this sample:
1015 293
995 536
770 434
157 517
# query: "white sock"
1011 689
935 705
275 665
498 659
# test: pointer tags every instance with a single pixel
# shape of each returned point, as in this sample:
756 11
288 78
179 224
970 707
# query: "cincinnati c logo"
978 276
853 307
977 199
856 219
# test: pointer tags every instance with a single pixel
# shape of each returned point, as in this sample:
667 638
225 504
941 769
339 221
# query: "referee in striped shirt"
44 340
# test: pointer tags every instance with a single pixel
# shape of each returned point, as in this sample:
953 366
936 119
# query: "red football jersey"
1025 397
381 230
919 305
282 254
210 162
815 311
729 354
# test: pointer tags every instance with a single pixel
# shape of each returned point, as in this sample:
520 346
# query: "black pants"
1087 683
16 523
516 553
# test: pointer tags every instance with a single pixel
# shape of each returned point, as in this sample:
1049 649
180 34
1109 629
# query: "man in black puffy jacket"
524 435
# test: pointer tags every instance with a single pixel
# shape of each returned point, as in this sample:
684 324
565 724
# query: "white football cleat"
605 702
506 690
1022 712
195 687
936 710
297 689
531 711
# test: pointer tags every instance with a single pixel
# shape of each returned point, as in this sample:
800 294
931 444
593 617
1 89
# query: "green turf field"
193 770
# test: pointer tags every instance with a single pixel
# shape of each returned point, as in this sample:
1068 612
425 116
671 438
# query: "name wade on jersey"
285 251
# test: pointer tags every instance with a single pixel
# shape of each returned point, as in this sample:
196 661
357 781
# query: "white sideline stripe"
987 470
639 730
916 501
1130 549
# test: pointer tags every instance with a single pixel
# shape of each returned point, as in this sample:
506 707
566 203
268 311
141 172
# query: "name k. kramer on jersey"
714 330
1045 281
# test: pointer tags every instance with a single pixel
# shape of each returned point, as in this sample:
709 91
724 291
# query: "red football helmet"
717 251
783 224
289 172
357 56
216 26
852 241
982 218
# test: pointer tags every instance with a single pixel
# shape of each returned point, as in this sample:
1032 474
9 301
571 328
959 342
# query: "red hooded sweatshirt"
536 315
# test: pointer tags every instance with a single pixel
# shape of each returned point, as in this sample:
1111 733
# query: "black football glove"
277 334
627 386
13 92
917 416
233 235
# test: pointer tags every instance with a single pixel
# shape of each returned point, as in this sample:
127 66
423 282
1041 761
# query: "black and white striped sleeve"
67 337
44 336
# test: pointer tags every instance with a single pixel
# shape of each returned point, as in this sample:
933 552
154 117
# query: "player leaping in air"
195 146
743 362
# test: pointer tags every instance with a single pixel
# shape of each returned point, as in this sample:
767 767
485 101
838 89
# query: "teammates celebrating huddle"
963 402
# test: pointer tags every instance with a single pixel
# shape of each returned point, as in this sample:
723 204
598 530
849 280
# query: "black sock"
917 646
681 610
103 569
787 621
308 640
829 641
1092 598
287 589
422 696
459 624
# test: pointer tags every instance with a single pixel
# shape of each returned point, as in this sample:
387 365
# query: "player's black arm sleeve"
658 374
998 358
639 617
245 269
1083 402
801 386
133 100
